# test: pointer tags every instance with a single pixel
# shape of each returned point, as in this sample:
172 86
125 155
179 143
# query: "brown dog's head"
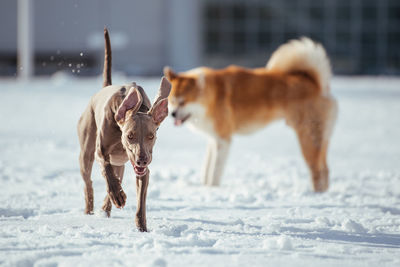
184 96
139 128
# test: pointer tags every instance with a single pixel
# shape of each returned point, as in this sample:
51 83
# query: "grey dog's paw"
140 222
118 198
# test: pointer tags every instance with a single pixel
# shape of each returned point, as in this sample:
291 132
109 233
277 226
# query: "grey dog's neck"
143 109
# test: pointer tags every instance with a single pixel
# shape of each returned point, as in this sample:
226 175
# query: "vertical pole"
25 39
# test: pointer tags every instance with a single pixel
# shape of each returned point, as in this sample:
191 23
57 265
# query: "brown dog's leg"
119 173
87 139
206 164
313 122
314 153
142 183
216 157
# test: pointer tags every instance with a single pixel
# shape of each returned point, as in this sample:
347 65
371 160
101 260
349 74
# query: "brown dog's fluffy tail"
107 59
303 55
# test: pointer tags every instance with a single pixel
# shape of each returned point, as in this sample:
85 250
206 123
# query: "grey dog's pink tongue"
140 169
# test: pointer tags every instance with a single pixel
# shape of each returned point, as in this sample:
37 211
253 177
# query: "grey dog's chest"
118 155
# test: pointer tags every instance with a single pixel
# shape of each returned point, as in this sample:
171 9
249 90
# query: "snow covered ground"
264 214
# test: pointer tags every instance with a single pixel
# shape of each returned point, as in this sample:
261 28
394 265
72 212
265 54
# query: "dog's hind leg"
107 205
315 156
87 139
219 149
313 124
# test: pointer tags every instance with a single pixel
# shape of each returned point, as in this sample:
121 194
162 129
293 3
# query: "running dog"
293 86
120 125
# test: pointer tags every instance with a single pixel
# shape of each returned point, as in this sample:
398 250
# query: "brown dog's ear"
169 73
160 111
131 103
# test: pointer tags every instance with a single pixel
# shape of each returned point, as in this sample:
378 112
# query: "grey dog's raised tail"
107 59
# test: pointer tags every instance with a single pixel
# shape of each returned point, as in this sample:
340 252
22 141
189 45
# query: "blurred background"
362 37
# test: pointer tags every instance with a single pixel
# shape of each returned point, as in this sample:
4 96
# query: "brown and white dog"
294 86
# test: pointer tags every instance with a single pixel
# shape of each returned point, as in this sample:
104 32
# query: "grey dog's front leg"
114 188
119 171
142 183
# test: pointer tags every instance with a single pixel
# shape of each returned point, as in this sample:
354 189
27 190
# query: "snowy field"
264 214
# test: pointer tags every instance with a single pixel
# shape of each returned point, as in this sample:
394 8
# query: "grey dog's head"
139 128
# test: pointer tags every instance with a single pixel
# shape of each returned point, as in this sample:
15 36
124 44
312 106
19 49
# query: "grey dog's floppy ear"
159 109
131 103
163 92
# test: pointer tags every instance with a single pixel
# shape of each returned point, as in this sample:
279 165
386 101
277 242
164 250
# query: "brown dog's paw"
320 189
320 180
321 185
118 198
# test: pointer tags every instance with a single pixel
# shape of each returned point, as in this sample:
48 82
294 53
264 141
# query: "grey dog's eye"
130 136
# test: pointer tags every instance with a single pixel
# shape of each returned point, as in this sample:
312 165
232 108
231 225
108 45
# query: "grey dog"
120 125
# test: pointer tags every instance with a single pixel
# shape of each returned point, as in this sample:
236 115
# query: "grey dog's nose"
173 113
141 162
